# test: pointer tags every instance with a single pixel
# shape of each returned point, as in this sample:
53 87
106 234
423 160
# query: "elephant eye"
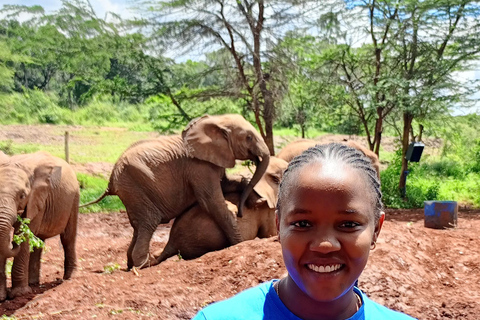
275 179
249 138
23 195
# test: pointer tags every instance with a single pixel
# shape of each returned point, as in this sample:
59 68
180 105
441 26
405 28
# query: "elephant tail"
104 194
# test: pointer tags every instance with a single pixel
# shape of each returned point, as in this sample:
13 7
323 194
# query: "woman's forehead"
329 171
326 181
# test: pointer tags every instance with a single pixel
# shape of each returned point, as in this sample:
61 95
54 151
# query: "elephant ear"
45 178
267 192
206 139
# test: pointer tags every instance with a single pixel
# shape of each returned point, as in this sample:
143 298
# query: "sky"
120 7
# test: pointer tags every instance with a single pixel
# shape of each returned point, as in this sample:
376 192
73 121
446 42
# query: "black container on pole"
414 151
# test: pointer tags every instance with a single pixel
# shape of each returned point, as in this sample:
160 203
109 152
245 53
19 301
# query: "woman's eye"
302 224
349 224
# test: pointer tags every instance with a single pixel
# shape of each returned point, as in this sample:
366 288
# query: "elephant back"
143 157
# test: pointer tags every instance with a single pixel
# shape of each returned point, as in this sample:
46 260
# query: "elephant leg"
141 250
130 263
169 251
34 266
3 279
68 238
20 272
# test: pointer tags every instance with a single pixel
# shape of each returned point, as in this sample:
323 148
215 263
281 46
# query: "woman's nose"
325 245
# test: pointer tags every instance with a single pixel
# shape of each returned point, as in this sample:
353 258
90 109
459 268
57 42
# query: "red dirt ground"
427 273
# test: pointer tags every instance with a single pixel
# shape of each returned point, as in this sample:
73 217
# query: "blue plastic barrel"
440 214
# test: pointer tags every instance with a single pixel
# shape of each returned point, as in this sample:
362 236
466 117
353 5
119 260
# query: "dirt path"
430 274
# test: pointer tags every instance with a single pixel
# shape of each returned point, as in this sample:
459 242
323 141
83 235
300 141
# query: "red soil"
427 273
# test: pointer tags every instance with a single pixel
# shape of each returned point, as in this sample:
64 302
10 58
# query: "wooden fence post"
67 153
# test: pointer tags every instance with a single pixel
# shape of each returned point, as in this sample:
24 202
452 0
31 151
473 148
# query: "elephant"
195 233
158 179
44 189
3 157
295 148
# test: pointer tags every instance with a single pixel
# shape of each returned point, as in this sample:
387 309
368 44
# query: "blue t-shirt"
262 302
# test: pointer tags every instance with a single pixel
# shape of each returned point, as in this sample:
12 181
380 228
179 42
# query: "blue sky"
100 6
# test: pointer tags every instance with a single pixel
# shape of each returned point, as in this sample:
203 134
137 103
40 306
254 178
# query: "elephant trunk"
261 167
7 247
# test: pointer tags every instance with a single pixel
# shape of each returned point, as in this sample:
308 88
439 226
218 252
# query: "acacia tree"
406 67
436 39
245 29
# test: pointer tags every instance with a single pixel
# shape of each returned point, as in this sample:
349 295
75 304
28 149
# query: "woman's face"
326 228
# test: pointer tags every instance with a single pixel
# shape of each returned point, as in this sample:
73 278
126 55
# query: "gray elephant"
189 237
44 189
161 178
295 148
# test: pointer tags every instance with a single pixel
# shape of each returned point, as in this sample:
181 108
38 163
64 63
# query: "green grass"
92 187
87 144
311 133
99 145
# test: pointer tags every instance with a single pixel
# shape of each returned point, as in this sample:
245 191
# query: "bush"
33 106
418 188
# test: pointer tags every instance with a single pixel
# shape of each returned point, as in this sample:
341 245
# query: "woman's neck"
304 307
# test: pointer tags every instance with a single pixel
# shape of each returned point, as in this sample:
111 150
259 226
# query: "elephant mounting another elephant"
44 189
161 178
295 148
188 237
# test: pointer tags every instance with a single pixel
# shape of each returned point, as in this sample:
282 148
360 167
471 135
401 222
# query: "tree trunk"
378 132
268 115
407 125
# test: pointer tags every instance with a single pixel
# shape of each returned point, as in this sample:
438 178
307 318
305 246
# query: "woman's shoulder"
247 304
374 310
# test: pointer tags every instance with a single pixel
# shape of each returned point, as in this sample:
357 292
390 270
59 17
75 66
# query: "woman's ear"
378 227
277 223
207 140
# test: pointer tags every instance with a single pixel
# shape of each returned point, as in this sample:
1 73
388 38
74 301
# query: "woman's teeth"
324 269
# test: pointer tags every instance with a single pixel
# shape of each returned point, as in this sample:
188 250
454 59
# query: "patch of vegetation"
434 178
25 234
91 187
111 267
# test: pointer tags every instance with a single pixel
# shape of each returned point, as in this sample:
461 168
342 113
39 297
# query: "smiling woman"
329 215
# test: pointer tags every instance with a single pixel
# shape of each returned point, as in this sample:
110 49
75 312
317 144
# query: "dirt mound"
430 274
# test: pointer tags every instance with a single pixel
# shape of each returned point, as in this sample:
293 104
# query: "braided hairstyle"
339 153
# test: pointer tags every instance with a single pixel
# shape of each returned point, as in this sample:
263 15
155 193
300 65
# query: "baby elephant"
194 233
44 189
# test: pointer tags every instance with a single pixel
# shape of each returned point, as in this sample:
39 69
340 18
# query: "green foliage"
90 189
25 234
451 177
6 147
8 267
165 116
32 106
111 267
475 166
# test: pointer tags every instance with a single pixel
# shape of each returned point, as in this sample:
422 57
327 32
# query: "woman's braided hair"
339 153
